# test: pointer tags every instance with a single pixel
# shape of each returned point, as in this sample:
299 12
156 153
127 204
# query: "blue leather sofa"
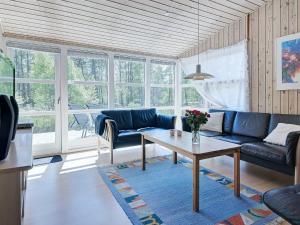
123 127
249 129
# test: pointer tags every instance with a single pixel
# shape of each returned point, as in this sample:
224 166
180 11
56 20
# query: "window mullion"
148 83
178 89
111 81
64 98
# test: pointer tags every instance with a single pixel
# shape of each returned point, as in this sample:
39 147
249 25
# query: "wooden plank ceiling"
155 27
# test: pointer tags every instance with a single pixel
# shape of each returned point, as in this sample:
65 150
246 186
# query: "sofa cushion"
143 118
128 138
266 151
238 139
209 133
123 118
214 122
251 124
185 126
228 119
279 135
281 118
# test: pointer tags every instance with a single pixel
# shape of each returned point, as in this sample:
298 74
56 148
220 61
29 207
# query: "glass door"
37 93
87 96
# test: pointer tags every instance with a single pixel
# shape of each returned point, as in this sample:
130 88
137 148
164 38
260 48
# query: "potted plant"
195 120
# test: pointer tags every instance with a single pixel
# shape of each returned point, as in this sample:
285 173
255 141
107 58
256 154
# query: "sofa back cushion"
123 118
228 119
282 118
185 126
143 118
251 124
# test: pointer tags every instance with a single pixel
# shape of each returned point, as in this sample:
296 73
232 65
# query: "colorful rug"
163 195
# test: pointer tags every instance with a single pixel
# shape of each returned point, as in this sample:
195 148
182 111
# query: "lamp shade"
198 75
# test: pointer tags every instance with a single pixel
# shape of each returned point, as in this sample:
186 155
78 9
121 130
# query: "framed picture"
288 62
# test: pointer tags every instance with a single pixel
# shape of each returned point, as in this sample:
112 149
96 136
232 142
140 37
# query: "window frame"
171 86
182 85
131 84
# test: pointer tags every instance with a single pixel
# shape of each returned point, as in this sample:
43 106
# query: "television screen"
6 75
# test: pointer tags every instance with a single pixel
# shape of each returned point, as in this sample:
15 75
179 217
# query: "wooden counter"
13 177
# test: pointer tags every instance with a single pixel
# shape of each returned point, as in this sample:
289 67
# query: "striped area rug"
163 195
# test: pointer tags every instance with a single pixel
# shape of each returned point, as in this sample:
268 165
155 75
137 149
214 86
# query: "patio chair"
82 120
94 106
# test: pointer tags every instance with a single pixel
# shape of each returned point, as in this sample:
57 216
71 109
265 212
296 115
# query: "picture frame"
288 62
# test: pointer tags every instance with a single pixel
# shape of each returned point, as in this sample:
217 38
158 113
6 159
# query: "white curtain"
230 86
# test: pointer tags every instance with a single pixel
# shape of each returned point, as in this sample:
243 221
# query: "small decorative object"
172 132
195 119
179 133
6 125
288 62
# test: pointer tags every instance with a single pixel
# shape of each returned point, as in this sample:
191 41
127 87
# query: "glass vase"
195 137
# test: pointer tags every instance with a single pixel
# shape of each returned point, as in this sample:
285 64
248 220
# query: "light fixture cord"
198 33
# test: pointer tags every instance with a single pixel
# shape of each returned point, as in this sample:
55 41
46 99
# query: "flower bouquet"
195 120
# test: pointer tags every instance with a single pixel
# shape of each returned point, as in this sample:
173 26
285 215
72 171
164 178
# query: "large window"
190 98
129 78
87 92
36 93
162 76
63 90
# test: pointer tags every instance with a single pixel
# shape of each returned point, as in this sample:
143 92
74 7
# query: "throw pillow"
215 122
279 135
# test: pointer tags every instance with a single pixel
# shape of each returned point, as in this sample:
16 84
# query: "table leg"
195 184
143 153
174 157
237 174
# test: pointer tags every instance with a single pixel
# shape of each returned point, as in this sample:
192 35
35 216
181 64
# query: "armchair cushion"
127 138
148 129
143 118
123 118
165 121
285 202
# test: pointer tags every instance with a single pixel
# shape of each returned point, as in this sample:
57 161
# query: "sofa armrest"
291 144
111 131
297 166
185 126
166 122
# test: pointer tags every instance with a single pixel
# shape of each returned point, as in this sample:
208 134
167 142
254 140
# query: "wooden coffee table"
208 148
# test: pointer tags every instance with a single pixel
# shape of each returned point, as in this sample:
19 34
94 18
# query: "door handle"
58 100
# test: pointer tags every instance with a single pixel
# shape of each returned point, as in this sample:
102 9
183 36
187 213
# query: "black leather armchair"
123 128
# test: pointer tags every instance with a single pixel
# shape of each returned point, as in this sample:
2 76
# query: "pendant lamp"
198 75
